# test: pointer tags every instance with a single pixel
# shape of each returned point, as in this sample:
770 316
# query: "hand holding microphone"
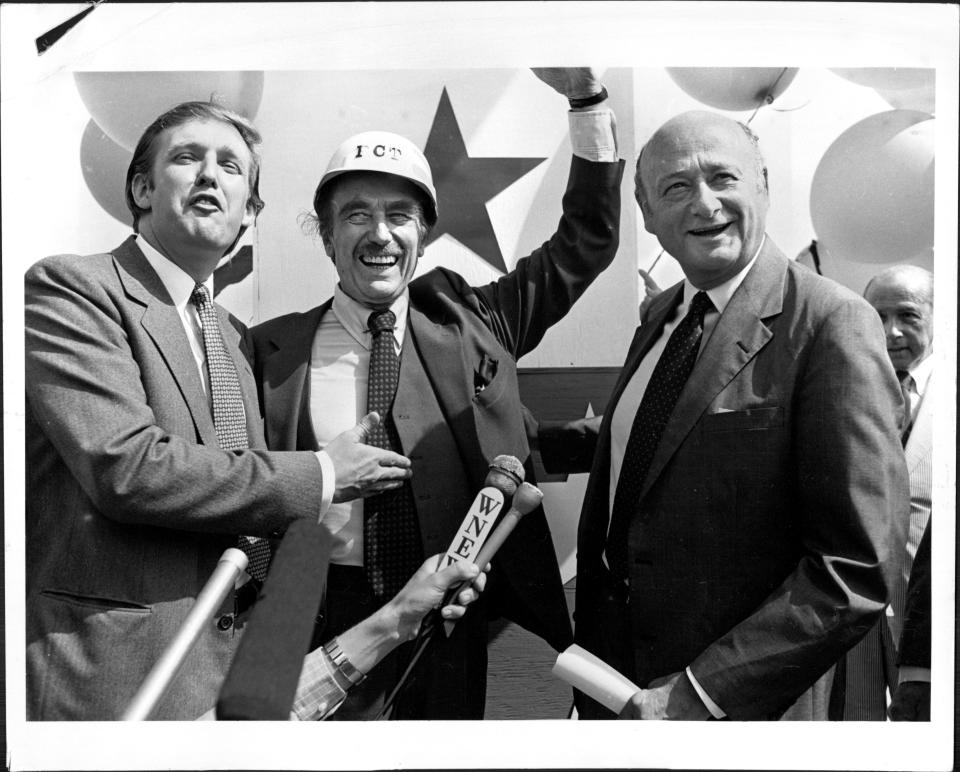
525 500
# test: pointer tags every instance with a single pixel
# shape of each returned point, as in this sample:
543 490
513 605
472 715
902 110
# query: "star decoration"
234 271
465 185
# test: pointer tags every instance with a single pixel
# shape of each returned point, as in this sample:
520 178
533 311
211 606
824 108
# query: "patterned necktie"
666 382
229 419
906 388
392 550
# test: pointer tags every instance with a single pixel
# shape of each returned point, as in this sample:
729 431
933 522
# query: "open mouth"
379 261
205 202
709 232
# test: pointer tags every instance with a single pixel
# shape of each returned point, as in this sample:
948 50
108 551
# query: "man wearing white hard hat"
440 364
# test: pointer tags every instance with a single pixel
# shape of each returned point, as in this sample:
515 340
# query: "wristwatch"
343 665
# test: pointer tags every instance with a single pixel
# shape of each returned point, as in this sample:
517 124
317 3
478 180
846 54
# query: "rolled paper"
594 677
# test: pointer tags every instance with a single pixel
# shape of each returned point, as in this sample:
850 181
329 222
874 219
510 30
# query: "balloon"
733 88
124 103
887 77
104 165
871 199
922 98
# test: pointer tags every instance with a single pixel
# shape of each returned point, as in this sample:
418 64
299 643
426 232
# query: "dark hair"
146 151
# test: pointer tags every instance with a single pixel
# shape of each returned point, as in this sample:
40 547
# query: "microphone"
503 477
262 681
525 500
231 564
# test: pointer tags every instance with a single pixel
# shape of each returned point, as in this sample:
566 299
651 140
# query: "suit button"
320 618
225 622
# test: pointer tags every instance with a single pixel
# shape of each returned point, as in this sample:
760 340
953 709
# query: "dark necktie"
392 550
906 388
228 414
659 398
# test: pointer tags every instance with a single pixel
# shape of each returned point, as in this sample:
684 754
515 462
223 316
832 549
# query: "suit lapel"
592 530
162 323
921 434
440 347
286 383
737 337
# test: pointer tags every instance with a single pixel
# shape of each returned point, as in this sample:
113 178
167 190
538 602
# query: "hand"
362 470
670 698
911 702
652 290
426 590
572 82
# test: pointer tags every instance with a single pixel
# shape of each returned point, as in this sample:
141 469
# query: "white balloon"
733 88
871 199
887 77
124 103
922 98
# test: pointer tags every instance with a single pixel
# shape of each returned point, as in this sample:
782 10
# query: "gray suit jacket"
129 502
764 539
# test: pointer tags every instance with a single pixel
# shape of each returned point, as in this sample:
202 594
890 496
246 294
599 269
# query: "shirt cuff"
593 134
913 673
328 481
714 709
318 693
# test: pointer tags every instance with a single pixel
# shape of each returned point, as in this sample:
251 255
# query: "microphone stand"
231 564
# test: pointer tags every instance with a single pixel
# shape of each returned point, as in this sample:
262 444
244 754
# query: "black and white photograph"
554 367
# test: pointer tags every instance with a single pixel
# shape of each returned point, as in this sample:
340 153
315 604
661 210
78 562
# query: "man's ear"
329 249
647 216
249 215
141 187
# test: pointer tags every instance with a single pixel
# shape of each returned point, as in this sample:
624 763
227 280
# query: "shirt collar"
721 294
353 316
920 372
178 283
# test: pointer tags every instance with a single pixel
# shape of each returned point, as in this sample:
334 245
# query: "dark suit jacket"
454 328
128 502
914 648
763 543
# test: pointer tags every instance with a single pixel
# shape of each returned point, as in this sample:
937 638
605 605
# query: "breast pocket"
754 419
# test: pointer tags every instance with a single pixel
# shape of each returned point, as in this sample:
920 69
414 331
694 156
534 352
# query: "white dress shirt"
339 367
629 402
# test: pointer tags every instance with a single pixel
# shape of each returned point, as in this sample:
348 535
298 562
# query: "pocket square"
485 373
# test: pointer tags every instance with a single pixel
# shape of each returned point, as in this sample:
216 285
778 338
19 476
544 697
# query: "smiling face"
197 194
704 195
904 299
376 236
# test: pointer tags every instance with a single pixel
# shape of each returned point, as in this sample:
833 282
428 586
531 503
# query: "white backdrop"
332 69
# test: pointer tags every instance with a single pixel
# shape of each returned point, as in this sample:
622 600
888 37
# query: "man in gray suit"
903 298
131 498
745 503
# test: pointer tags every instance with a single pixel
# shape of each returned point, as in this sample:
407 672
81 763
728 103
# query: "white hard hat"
382 151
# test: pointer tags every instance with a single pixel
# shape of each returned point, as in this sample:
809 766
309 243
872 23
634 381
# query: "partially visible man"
144 446
439 357
903 297
745 505
911 698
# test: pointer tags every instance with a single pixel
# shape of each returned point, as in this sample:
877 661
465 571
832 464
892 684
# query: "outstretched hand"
363 470
426 590
572 82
